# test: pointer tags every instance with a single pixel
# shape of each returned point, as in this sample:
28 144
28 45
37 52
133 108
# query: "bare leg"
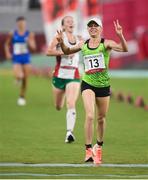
89 105
72 92
102 108
26 71
18 71
59 97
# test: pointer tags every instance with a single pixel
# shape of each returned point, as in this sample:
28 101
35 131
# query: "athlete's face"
94 29
21 24
68 24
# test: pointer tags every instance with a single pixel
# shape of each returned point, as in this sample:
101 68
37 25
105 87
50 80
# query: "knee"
70 104
101 118
90 117
19 76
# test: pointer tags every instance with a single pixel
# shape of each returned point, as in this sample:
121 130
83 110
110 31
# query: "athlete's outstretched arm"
7 46
66 49
112 45
52 48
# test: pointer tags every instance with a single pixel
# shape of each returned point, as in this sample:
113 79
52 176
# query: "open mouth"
71 27
93 31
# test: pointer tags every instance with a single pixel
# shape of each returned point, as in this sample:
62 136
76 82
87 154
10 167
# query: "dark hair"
62 21
20 18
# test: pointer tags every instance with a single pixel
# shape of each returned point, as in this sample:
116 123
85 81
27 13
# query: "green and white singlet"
96 61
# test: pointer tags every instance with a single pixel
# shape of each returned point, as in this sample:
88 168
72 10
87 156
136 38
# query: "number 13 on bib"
94 63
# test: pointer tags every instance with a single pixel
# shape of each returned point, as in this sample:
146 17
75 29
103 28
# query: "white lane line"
73 175
3 164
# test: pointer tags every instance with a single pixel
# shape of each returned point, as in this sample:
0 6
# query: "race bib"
70 61
94 63
66 73
20 48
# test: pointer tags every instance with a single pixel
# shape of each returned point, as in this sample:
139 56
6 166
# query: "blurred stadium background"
44 17
33 134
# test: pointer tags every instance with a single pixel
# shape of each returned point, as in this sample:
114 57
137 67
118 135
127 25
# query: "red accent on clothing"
68 67
77 75
57 67
94 71
56 71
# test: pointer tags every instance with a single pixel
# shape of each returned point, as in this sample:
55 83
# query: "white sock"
71 119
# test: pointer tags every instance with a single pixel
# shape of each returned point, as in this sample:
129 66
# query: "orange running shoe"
89 155
97 154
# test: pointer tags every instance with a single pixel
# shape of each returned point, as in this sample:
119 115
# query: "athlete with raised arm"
66 79
95 86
